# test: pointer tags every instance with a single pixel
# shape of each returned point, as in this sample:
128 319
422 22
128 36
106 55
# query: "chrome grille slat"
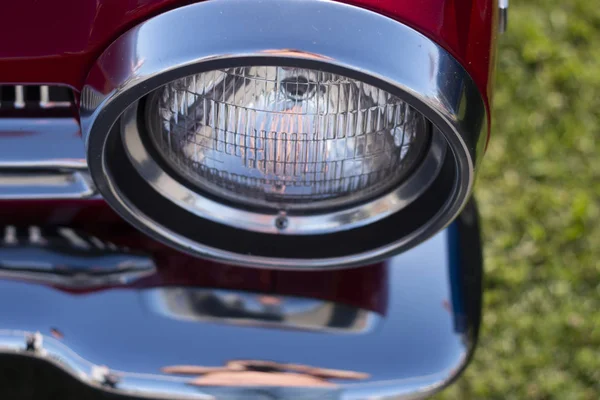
32 97
19 97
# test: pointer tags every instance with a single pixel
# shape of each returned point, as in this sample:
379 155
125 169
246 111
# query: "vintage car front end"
242 198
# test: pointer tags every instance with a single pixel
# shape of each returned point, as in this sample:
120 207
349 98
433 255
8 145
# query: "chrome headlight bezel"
433 83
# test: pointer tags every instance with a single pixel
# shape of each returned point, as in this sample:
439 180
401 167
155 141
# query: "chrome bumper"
151 343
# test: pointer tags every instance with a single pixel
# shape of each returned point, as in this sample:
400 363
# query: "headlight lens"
282 137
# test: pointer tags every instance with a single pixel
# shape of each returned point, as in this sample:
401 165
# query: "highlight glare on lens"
285 138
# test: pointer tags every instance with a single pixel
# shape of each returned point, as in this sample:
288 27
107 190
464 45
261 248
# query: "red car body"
58 42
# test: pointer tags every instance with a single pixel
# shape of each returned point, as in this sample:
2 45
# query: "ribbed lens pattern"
285 137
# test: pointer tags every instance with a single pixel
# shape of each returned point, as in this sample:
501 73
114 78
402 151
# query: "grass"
539 194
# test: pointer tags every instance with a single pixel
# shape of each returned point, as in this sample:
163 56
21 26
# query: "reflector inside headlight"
285 137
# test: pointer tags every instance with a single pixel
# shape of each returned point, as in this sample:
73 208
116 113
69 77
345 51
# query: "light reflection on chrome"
259 310
67 258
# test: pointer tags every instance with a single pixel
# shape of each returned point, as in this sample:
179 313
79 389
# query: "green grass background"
539 195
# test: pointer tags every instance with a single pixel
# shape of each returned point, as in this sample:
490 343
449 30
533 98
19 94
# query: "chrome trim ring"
336 220
323 33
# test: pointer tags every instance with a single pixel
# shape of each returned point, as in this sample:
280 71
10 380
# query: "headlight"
285 138
288 142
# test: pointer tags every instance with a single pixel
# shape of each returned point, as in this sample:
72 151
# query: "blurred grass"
539 194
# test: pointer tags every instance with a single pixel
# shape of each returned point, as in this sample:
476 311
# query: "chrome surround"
336 220
113 341
321 32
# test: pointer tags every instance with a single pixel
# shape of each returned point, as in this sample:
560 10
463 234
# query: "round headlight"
285 141
285 138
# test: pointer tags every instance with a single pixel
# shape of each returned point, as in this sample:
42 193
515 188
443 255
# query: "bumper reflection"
264 373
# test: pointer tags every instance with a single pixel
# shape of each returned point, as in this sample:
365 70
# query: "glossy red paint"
57 41
365 287
465 28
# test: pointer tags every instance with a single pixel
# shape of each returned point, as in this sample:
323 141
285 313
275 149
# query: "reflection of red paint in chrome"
263 373
269 300
56 334
362 287
447 306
